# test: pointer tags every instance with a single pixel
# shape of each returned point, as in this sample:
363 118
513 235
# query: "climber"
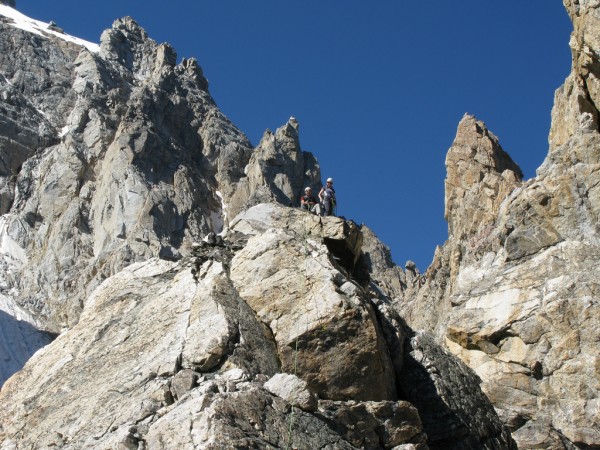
327 198
308 202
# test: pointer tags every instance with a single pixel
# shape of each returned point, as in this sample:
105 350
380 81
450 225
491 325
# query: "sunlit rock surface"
514 292
196 309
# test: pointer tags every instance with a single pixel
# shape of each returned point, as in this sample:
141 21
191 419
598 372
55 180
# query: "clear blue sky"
377 87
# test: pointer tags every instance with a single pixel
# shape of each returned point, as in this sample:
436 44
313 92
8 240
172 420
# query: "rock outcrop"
132 152
278 171
195 311
111 155
193 353
514 291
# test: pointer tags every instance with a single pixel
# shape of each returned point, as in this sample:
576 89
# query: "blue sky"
378 88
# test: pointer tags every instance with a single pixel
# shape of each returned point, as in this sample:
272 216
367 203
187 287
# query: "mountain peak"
479 175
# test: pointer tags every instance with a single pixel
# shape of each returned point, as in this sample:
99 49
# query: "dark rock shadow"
19 340
455 412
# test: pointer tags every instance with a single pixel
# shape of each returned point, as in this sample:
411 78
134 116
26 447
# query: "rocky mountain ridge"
144 156
288 330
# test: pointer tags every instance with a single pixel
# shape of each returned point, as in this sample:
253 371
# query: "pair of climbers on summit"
326 204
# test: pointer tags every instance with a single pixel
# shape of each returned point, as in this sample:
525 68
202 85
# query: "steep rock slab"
577 102
530 332
115 368
480 175
284 290
519 302
126 166
527 313
324 326
165 358
124 156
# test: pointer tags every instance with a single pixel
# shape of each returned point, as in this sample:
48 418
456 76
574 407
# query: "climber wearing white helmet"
327 198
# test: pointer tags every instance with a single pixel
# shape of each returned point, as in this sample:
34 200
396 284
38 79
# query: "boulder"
375 425
325 328
293 390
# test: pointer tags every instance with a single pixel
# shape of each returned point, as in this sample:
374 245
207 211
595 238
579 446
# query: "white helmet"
307 188
330 180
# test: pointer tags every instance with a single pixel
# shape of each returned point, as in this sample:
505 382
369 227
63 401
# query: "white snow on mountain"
41 28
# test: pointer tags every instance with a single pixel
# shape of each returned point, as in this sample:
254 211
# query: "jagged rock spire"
479 176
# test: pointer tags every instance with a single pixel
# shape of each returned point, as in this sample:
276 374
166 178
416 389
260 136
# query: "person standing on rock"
308 201
327 198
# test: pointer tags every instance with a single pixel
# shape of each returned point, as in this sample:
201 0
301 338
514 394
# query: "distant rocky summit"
158 292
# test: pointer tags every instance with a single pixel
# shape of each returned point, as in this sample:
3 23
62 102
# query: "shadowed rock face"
20 340
514 291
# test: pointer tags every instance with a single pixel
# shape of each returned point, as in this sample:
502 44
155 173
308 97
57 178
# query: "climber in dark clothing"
308 202
327 197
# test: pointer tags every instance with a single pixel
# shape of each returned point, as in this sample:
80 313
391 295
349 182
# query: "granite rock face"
111 155
126 167
238 347
278 171
194 309
514 291
329 332
479 176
